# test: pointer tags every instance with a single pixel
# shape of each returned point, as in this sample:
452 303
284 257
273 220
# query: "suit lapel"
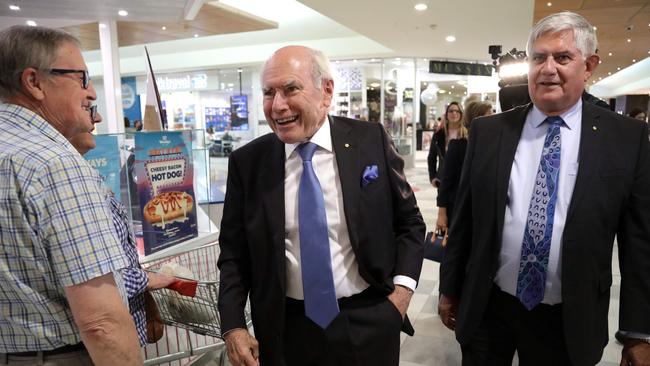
346 149
274 204
590 136
508 142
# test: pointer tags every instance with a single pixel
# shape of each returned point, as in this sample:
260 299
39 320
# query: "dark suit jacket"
611 198
437 152
385 226
450 173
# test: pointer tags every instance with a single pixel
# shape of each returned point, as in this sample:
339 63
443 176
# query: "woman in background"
450 129
453 166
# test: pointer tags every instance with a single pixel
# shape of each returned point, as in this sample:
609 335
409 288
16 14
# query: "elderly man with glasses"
59 300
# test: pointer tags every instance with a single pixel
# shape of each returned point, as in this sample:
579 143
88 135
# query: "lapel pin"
595 128
347 145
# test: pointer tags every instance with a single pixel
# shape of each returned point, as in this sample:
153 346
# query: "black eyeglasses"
93 112
85 79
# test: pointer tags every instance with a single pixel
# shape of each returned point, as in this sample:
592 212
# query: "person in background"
59 249
451 169
639 113
319 228
545 189
134 279
127 123
447 131
137 124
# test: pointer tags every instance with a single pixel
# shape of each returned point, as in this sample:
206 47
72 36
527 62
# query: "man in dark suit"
545 189
320 229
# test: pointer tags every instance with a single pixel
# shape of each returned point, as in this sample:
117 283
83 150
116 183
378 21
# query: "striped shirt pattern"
55 232
134 278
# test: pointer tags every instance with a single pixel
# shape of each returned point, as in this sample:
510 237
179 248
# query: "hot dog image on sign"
165 181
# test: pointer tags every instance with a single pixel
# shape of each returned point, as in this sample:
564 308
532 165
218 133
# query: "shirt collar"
322 138
571 117
35 120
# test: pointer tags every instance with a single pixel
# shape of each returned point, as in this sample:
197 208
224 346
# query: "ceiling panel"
211 20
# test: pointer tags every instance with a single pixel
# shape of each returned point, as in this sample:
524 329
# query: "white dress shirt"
347 280
520 190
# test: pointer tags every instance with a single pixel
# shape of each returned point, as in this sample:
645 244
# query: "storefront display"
165 177
105 157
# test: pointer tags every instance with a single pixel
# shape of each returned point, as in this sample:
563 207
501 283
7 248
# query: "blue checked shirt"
133 277
55 232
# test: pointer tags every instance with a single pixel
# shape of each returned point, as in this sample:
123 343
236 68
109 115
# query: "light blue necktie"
316 264
539 224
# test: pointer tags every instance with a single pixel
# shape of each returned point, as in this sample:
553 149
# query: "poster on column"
105 157
163 167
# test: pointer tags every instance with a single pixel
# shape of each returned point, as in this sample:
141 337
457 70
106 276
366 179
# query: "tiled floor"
433 344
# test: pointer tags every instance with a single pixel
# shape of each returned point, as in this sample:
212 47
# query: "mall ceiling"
393 24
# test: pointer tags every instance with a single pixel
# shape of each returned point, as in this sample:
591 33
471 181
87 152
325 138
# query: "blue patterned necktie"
316 264
536 246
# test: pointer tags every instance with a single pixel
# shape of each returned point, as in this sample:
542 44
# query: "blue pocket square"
370 173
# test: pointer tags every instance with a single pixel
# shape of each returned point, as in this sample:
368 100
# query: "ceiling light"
196 35
31 23
609 54
595 28
629 40
373 59
452 86
163 28
397 58
618 68
600 61
609 73
633 60
102 25
355 60
549 4
420 6
442 91
448 92
122 13
17 8
450 38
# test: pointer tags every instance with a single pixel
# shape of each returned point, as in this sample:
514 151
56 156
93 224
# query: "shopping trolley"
194 318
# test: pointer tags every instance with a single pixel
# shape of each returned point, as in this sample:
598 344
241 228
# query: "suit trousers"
537 335
365 332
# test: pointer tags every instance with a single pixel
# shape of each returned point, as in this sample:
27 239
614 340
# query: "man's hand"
435 182
243 349
635 353
158 280
401 298
447 309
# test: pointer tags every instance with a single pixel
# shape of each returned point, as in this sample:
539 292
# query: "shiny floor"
435 345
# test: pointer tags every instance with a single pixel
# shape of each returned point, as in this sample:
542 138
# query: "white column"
114 118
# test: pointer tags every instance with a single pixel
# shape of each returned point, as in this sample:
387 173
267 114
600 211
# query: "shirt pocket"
571 175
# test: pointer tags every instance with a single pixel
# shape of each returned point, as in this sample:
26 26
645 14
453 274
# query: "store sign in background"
163 163
105 157
130 100
459 68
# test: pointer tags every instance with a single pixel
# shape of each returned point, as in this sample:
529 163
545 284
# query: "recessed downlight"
610 54
549 4
450 39
163 28
31 23
14 7
122 13
629 40
420 7
196 35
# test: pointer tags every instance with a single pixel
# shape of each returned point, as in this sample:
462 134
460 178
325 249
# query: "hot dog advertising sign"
163 168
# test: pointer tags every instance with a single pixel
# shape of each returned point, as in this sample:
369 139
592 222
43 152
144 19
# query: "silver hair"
320 67
22 47
583 32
